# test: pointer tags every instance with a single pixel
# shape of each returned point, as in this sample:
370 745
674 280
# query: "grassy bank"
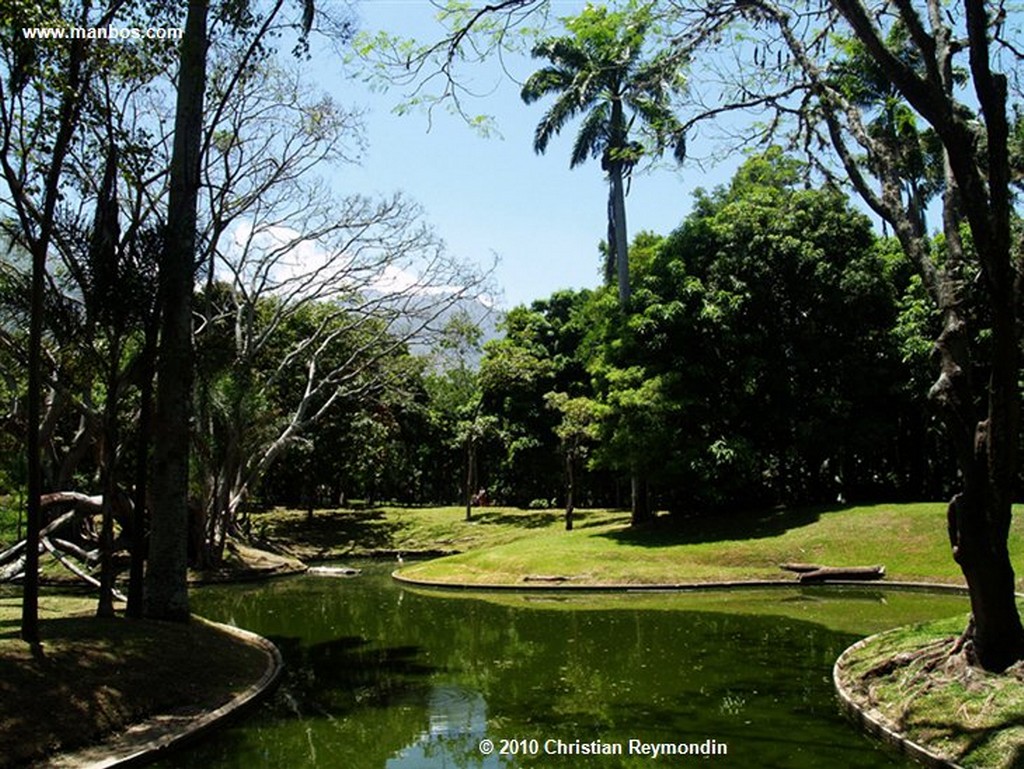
908 539
408 531
90 678
907 679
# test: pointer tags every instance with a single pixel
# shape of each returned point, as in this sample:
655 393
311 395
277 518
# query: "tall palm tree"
598 71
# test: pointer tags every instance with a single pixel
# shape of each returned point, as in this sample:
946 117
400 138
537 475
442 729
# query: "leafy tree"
61 79
577 431
952 68
452 384
542 351
598 72
786 307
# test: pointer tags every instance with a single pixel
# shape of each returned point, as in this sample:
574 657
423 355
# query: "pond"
390 677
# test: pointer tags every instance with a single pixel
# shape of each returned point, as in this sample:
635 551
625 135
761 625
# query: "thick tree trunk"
978 518
139 534
998 637
166 577
105 607
640 502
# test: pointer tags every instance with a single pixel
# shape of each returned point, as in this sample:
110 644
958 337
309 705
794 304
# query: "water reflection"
381 676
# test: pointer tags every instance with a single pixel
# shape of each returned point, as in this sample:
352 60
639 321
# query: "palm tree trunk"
618 226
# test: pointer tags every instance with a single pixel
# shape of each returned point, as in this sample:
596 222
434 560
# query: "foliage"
598 72
543 351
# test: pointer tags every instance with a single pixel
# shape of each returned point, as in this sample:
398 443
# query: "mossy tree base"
921 684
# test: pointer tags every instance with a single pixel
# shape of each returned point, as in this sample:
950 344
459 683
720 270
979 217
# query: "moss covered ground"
907 679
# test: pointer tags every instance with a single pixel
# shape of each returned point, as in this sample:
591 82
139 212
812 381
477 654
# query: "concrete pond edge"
567 585
874 723
153 738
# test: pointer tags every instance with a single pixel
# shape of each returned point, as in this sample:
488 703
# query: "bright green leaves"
598 71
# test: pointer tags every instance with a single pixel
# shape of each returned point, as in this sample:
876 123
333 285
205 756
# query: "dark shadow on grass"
528 519
666 530
337 529
99 675
977 737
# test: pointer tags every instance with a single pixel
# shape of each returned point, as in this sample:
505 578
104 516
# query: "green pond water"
390 677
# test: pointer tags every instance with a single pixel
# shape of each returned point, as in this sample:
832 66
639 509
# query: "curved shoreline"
870 722
150 739
874 723
568 586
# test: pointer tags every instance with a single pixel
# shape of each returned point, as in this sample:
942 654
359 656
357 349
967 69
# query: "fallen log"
88 556
800 568
13 570
832 573
12 552
545 578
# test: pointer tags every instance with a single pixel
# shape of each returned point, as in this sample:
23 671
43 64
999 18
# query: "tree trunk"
639 501
470 477
105 607
998 638
978 518
139 526
166 577
30 595
570 484
621 245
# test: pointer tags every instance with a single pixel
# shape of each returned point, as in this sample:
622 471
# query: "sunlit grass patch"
908 539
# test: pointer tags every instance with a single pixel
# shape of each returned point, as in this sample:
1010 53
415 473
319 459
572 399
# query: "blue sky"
493 195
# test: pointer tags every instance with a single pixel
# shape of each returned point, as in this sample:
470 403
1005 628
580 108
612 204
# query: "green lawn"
107 669
908 539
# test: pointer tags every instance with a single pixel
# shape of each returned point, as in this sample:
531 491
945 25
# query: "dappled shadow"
98 674
526 519
977 737
667 530
338 530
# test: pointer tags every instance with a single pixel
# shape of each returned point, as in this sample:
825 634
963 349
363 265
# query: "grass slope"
909 539
93 677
